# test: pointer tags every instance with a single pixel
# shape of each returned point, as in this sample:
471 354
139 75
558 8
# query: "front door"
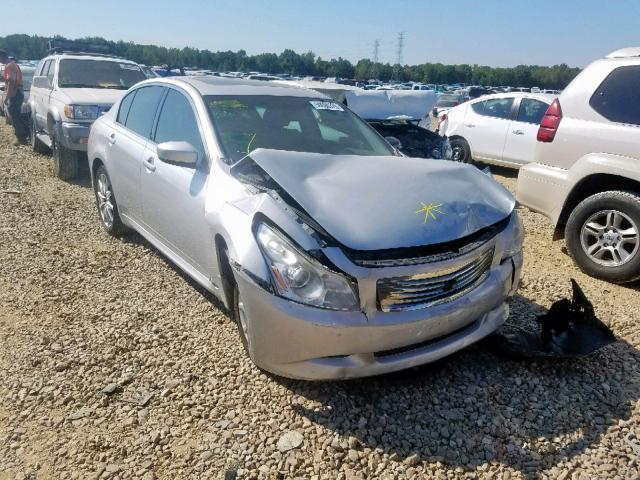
486 126
174 195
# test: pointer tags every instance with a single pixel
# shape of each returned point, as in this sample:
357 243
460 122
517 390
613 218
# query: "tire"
36 145
106 203
65 161
603 236
243 328
461 152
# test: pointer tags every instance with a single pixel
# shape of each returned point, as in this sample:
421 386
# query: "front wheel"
603 236
65 161
240 315
460 151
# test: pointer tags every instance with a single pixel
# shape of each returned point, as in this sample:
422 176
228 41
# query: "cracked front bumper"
299 341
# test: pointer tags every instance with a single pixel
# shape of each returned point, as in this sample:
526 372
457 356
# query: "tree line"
32 47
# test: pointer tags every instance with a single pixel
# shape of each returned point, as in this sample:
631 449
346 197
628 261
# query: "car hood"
93 96
376 203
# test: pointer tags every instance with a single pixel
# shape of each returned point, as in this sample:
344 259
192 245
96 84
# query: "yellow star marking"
430 211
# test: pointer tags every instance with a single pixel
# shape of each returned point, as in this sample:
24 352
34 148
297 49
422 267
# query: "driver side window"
177 122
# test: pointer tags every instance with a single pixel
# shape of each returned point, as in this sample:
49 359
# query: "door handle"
518 132
112 139
470 125
149 164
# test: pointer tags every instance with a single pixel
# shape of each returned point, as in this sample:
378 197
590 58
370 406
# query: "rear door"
126 144
174 195
486 126
520 142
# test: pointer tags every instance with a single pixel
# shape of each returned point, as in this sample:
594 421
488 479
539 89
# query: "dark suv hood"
376 203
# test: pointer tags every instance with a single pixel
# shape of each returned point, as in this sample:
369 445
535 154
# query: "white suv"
586 172
70 90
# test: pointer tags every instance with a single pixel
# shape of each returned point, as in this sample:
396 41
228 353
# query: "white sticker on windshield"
126 66
320 105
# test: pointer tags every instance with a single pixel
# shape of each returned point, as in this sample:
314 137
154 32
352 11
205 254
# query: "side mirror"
180 153
394 142
41 82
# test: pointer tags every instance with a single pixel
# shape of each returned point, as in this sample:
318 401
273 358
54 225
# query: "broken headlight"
513 244
301 278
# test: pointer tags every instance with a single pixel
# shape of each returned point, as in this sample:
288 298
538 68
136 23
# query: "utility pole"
376 58
400 47
376 50
399 52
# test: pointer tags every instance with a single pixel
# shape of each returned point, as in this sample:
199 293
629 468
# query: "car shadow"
134 238
477 407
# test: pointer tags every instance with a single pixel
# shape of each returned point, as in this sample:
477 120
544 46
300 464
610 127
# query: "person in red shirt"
14 96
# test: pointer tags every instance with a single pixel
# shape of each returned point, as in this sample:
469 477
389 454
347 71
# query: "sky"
484 32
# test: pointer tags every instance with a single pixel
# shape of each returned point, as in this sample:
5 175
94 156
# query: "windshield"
244 123
82 73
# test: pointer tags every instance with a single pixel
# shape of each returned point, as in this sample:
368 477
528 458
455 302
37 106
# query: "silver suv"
586 172
338 257
69 91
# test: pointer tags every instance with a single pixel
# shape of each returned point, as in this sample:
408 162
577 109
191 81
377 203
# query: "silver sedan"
338 257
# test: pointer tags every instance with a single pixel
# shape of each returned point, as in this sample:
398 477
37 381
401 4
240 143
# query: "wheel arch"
227 280
590 185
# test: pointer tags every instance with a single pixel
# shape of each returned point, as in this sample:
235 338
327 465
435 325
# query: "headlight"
514 244
302 279
82 112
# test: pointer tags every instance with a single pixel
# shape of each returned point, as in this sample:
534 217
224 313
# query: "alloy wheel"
610 238
105 199
242 317
457 154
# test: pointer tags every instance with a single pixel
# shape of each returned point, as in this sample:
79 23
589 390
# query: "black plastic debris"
569 329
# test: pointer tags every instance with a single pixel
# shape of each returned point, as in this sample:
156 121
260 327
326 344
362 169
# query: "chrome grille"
418 291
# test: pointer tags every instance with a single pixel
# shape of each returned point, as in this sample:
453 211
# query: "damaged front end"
375 264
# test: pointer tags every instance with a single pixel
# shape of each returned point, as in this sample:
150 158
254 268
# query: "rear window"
84 73
143 109
618 97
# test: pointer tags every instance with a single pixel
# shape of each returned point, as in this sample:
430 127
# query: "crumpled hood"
376 203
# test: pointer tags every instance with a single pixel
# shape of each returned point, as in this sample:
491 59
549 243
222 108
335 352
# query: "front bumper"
74 136
543 189
299 341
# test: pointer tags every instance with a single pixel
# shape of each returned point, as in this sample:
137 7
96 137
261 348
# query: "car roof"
625 53
210 85
89 56
545 97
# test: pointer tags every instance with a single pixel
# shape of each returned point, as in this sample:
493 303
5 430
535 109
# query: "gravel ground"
114 365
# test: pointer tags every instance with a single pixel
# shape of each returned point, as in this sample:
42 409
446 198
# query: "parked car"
398 116
27 77
586 174
70 91
338 257
499 129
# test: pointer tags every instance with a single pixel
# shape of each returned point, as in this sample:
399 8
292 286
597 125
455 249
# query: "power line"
376 50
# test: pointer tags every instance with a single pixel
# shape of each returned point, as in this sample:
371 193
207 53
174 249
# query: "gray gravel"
114 365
